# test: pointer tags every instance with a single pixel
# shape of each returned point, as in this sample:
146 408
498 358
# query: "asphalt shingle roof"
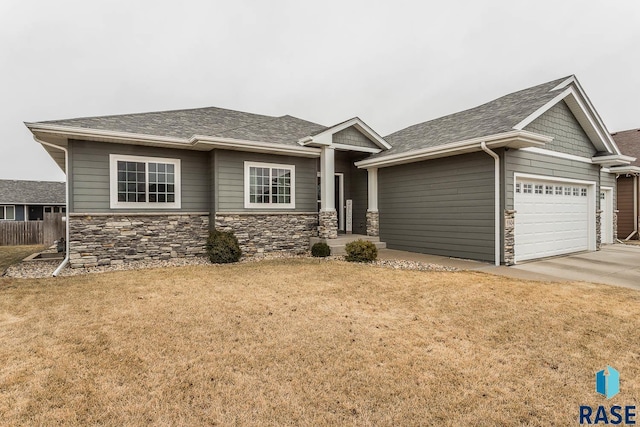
497 116
32 192
210 121
628 142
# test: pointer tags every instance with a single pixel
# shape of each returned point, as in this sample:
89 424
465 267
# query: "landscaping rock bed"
42 269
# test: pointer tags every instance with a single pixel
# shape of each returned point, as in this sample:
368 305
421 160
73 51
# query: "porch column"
373 217
327 217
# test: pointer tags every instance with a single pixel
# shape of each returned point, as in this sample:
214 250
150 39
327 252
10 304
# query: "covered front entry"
553 217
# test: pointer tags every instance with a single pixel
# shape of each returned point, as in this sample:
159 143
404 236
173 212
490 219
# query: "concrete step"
338 245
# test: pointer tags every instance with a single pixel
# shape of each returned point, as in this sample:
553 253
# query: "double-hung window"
269 186
144 182
8 212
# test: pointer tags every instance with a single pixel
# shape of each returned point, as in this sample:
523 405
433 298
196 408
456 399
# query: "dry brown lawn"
310 342
10 255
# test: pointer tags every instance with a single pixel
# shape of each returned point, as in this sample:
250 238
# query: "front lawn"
308 342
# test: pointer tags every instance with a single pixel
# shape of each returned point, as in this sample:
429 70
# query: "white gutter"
512 139
66 172
496 158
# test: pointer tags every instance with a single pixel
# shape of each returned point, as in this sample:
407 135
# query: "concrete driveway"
613 265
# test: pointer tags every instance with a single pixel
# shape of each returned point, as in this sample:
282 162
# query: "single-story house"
627 184
29 200
514 179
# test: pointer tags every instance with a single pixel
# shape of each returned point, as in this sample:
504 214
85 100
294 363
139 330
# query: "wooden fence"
52 228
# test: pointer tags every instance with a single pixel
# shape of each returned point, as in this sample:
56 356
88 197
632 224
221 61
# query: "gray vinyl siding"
229 180
90 176
568 135
538 164
443 207
352 136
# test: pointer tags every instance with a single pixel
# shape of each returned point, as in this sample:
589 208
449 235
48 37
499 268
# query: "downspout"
496 159
66 172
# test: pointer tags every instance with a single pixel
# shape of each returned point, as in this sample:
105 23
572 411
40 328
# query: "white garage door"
552 218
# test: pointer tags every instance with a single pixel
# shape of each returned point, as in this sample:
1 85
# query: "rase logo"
608 385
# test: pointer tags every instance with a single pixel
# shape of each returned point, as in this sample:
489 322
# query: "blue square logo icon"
608 382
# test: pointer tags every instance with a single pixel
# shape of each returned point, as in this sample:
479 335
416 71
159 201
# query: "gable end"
568 135
351 136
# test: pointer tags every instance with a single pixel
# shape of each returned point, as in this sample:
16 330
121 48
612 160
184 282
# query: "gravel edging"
44 269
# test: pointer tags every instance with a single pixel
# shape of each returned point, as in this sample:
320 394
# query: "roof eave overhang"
614 160
60 134
513 139
625 170
325 138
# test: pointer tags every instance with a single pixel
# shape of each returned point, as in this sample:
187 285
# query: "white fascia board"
356 148
540 111
324 137
558 154
516 139
613 160
619 170
256 146
76 132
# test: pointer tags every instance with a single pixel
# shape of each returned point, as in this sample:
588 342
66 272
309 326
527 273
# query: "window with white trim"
527 188
518 187
567 191
558 190
269 186
144 182
538 189
575 191
583 192
7 212
548 189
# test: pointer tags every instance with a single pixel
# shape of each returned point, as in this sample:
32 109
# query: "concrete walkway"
613 265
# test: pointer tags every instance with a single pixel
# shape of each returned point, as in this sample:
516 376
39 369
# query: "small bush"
361 251
222 247
320 249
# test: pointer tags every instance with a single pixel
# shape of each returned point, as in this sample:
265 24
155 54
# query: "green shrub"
222 247
320 249
361 251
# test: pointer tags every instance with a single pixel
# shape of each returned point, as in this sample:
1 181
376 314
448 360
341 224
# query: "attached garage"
553 217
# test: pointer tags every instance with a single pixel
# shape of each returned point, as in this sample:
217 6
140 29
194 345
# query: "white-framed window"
583 192
269 186
567 191
558 190
575 191
144 182
518 187
7 213
538 189
548 189
527 188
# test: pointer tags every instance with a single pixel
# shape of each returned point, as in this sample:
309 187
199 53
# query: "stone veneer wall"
260 233
107 239
328 224
598 229
615 225
373 223
509 237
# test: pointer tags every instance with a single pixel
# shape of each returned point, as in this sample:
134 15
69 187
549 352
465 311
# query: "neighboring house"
628 185
515 179
29 200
